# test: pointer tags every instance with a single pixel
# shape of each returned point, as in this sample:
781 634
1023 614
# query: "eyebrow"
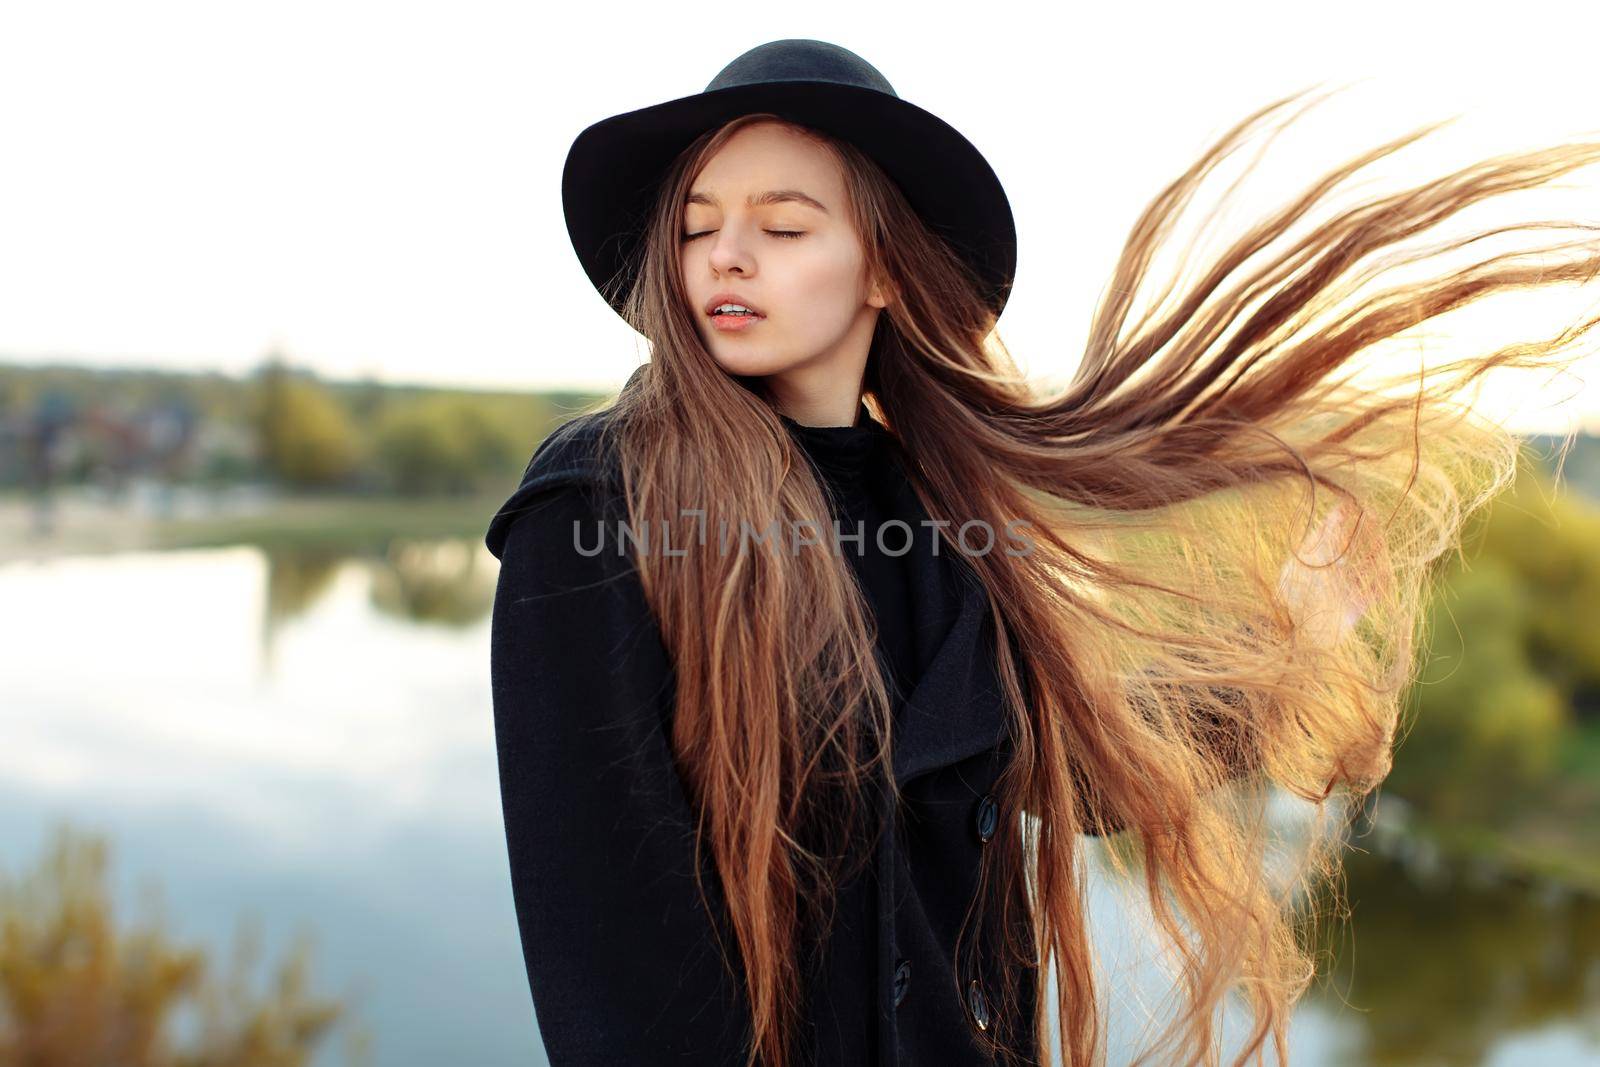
771 196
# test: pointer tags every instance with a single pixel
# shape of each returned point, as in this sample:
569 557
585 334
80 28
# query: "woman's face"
799 264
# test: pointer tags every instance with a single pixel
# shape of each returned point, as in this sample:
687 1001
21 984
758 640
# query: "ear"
880 293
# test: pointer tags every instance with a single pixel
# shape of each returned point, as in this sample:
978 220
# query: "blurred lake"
307 738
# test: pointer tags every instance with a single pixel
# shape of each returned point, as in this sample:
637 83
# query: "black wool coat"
622 956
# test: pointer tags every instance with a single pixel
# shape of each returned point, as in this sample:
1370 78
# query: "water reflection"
261 737
307 738
446 582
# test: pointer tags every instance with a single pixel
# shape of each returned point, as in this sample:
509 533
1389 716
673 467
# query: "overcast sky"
374 188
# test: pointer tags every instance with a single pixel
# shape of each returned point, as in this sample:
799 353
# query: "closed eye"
786 234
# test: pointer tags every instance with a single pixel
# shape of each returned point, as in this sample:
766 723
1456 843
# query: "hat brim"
615 167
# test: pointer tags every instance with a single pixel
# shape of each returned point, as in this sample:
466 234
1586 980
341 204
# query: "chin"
750 364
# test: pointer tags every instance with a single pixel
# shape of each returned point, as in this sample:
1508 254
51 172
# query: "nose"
729 251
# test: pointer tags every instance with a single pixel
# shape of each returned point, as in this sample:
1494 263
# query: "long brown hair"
1155 672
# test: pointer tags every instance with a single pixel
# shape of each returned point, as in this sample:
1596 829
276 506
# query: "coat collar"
955 709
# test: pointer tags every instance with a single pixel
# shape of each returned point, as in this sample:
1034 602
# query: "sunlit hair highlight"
1158 676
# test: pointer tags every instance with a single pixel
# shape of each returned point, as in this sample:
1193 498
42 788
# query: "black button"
977 1005
902 978
988 817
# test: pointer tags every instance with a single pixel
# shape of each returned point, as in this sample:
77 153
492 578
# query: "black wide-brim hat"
615 167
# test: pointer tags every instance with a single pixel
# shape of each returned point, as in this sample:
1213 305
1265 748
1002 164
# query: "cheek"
833 284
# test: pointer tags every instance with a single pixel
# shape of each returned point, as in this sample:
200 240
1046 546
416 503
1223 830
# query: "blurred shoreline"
85 520
1551 842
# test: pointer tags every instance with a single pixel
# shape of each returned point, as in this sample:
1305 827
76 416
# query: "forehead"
767 159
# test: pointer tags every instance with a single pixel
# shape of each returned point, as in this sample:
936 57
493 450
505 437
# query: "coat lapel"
955 709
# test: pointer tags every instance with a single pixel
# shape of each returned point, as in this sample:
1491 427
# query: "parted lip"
731 298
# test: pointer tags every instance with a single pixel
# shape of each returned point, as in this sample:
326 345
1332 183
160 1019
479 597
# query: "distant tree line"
281 424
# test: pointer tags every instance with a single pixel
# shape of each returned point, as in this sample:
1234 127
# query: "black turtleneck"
856 464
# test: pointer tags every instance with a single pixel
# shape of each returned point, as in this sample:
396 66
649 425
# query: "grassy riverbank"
336 523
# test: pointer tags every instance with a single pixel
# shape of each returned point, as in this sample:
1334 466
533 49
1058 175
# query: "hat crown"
801 59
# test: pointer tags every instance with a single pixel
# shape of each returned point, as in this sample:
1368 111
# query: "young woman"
817 651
